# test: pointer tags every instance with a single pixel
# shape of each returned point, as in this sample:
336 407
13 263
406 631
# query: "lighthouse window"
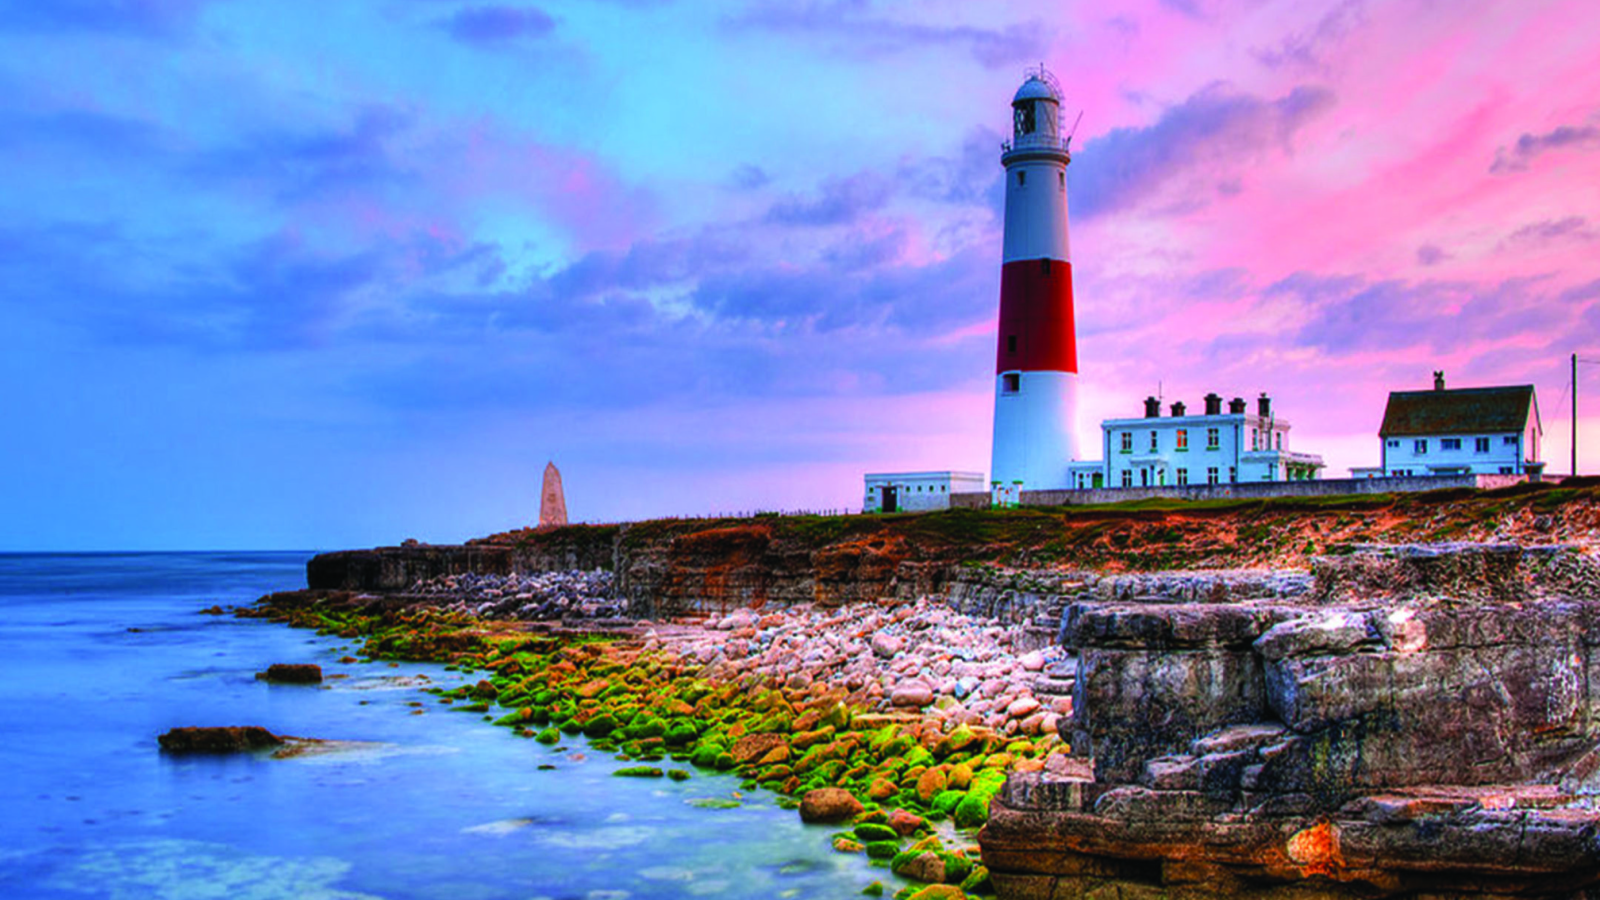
1022 178
1010 382
1044 266
1011 343
1063 180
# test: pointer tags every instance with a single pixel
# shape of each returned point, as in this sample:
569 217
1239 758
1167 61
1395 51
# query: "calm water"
100 653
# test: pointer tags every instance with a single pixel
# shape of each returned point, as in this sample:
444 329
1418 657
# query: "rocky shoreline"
1389 720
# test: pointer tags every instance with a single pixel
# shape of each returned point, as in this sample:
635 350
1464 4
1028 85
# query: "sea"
100 653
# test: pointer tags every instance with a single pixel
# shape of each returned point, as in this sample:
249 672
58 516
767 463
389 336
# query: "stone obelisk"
552 499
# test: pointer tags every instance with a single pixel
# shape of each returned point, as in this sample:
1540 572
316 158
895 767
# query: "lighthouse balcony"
1034 142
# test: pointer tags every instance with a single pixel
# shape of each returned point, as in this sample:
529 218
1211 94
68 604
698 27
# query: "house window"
1510 440
1508 470
1233 474
1127 478
1450 443
1152 441
1280 439
1255 439
1010 382
1420 446
1211 475
1183 439
1213 439
1127 442
1183 476
1144 478
1480 445
1394 442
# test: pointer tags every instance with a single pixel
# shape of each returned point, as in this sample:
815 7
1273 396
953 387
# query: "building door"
890 500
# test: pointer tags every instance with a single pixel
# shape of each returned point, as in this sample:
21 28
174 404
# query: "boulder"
292 673
228 739
829 805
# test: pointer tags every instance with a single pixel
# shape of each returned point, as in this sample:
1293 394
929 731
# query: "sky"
319 275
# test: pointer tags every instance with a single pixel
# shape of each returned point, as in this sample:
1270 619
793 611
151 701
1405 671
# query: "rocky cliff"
1421 720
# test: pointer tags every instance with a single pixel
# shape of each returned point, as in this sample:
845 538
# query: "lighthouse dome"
1036 88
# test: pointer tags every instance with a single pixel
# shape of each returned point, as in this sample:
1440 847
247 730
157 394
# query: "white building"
1213 448
1478 431
918 491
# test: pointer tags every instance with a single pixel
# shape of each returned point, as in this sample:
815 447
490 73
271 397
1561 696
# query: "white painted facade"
1034 416
1458 454
917 491
1219 448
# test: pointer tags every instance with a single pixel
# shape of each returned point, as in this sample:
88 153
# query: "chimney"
1177 409
1213 405
1152 408
1236 406
1264 405
1438 380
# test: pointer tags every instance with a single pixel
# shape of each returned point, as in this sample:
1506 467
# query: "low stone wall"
1253 490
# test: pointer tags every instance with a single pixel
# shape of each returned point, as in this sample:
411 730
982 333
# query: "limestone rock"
829 805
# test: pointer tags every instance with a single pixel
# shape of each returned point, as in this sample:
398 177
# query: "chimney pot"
1438 380
1213 405
1236 406
1152 408
1177 409
1264 405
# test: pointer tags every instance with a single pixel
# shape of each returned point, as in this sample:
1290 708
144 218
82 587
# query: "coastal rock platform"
1425 722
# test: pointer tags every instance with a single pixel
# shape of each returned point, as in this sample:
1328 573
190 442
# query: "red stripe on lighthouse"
1037 333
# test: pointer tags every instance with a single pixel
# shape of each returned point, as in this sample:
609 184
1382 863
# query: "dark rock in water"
292 673
229 739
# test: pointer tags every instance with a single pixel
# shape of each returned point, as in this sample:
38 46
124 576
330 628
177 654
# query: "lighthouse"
1036 366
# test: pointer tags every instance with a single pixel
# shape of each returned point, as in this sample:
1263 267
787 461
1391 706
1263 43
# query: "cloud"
858 34
1430 255
1536 235
748 177
495 25
839 202
142 18
1305 49
1193 152
1529 147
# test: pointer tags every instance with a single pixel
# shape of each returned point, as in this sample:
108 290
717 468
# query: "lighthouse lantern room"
1036 369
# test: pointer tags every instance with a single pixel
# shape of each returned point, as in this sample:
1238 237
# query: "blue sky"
324 275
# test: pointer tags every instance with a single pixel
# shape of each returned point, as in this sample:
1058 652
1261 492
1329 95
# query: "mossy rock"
883 849
945 802
646 727
846 845
638 772
959 777
715 803
678 774
870 832
548 736
874 889
973 810
515 717
600 726
681 735
937 892
977 881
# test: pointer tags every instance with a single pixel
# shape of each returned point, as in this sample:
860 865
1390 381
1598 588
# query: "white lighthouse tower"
1036 368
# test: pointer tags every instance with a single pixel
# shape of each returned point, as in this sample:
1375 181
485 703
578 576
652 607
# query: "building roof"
1490 410
1036 88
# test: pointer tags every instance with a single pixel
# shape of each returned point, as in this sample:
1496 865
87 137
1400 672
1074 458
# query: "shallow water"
103 652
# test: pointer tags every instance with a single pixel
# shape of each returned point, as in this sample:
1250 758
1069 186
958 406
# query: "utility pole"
1574 415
